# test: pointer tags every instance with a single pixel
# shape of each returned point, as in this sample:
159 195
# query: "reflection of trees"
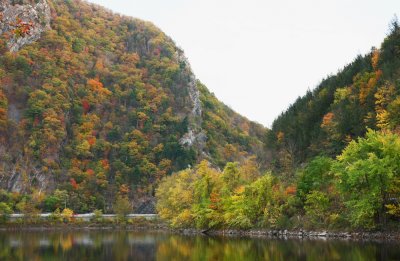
111 245
205 248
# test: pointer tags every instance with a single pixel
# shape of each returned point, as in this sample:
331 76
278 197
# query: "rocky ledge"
22 22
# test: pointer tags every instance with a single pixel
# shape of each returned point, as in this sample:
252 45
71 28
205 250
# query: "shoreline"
251 233
312 234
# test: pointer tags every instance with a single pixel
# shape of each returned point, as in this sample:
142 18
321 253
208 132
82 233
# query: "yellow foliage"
341 94
280 136
393 210
375 59
239 190
67 214
382 99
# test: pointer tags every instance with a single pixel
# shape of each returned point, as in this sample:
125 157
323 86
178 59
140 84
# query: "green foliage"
315 176
122 207
366 170
101 101
316 206
360 188
98 215
202 197
364 94
5 211
56 216
51 203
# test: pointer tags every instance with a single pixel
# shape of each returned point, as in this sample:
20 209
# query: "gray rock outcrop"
33 13
195 135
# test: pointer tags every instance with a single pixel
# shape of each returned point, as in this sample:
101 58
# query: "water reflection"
111 245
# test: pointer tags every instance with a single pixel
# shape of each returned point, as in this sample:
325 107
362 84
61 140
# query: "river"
122 245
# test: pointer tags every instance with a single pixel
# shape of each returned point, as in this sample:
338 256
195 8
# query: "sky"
258 56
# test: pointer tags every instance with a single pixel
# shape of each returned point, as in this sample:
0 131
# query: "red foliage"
36 121
73 183
91 140
86 106
22 28
105 164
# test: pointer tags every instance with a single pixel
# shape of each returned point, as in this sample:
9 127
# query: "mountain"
96 104
363 95
335 161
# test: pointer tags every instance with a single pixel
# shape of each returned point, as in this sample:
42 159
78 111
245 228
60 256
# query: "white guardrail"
88 216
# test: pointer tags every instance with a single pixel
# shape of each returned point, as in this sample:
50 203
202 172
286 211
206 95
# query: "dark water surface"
121 245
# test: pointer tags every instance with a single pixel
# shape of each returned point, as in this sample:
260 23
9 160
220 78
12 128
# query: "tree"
365 172
315 176
28 209
5 211
316 206
122 207
175 196
51 203
205 187
67 214
63 196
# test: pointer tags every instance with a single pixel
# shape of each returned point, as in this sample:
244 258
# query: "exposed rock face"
35 13
14 15
146 206
195 136
23 178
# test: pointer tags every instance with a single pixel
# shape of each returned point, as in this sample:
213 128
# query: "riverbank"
298 234
301 234
38 224
156 225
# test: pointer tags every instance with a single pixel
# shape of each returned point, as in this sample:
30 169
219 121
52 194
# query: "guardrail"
88 216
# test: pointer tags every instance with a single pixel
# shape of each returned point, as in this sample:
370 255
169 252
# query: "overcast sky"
258 56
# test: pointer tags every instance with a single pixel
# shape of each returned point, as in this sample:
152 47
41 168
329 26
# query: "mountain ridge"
100 105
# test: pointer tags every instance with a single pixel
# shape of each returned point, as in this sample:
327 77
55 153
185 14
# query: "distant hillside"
364 94
98 104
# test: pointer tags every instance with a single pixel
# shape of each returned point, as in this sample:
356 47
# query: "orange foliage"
92 140
105 164
214 200
3 117
124 189
22 28
291 190
97 86
328 119
375 59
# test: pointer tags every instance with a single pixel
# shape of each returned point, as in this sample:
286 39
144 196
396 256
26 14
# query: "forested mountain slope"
335 165
364 94
95 105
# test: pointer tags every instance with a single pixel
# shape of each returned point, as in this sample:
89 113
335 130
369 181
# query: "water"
121 245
